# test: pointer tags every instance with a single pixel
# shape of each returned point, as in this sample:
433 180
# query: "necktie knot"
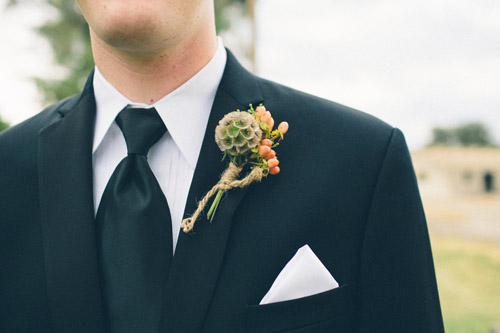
142 128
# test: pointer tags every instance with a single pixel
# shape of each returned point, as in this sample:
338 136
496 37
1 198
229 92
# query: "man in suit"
346 189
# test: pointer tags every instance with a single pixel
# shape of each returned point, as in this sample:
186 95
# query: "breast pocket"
323 312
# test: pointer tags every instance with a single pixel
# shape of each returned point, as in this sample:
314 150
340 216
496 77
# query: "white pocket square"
304 275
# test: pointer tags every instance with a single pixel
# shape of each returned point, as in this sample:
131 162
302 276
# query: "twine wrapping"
227 182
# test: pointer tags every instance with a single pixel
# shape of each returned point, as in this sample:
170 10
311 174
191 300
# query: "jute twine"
227 182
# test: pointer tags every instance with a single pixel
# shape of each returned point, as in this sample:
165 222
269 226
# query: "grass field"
468 274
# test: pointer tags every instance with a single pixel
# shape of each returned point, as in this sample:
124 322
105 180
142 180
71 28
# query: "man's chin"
136 42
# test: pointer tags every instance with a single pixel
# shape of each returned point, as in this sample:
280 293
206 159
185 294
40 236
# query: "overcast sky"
415 64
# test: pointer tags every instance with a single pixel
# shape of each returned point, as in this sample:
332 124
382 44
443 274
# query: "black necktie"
134 231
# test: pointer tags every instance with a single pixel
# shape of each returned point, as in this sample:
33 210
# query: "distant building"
457 170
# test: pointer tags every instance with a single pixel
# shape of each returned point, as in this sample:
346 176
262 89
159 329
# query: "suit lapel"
66 201
199 255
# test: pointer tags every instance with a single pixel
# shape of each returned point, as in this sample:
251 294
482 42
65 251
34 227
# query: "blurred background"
429 67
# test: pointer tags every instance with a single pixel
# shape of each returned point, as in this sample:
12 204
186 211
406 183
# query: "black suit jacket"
347 189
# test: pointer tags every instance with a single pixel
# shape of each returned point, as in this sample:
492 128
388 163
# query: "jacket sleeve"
397 284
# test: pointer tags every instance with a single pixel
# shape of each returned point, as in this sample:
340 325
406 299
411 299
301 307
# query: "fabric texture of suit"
346 188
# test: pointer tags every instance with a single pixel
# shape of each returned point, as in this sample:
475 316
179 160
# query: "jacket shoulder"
19 142
322 119
33 125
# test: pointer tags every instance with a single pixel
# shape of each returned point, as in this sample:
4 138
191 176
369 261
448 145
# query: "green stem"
215 204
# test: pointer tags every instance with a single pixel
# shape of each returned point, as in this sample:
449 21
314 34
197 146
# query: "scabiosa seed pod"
237 133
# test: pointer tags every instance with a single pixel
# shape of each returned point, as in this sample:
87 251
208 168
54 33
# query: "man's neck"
146 78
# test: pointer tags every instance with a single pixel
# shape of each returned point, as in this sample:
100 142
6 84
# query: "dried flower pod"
238 133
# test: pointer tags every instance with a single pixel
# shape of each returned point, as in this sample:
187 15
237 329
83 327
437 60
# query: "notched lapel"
199 255
66 202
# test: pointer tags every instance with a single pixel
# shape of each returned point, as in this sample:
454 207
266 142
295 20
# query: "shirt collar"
185 111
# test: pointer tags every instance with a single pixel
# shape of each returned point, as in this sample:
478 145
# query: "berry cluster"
264 153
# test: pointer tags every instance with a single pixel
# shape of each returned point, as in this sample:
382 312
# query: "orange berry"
270 154
266 142
283 127
275 170
260 110
270 123
273 162
265 116
264 150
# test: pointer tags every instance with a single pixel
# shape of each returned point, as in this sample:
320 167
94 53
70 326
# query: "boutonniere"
245 138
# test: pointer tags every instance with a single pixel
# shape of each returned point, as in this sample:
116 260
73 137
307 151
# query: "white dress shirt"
173 158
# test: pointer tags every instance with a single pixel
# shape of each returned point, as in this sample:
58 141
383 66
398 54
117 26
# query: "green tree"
3 125
470 134
473 134
70 41
442 137
222 22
